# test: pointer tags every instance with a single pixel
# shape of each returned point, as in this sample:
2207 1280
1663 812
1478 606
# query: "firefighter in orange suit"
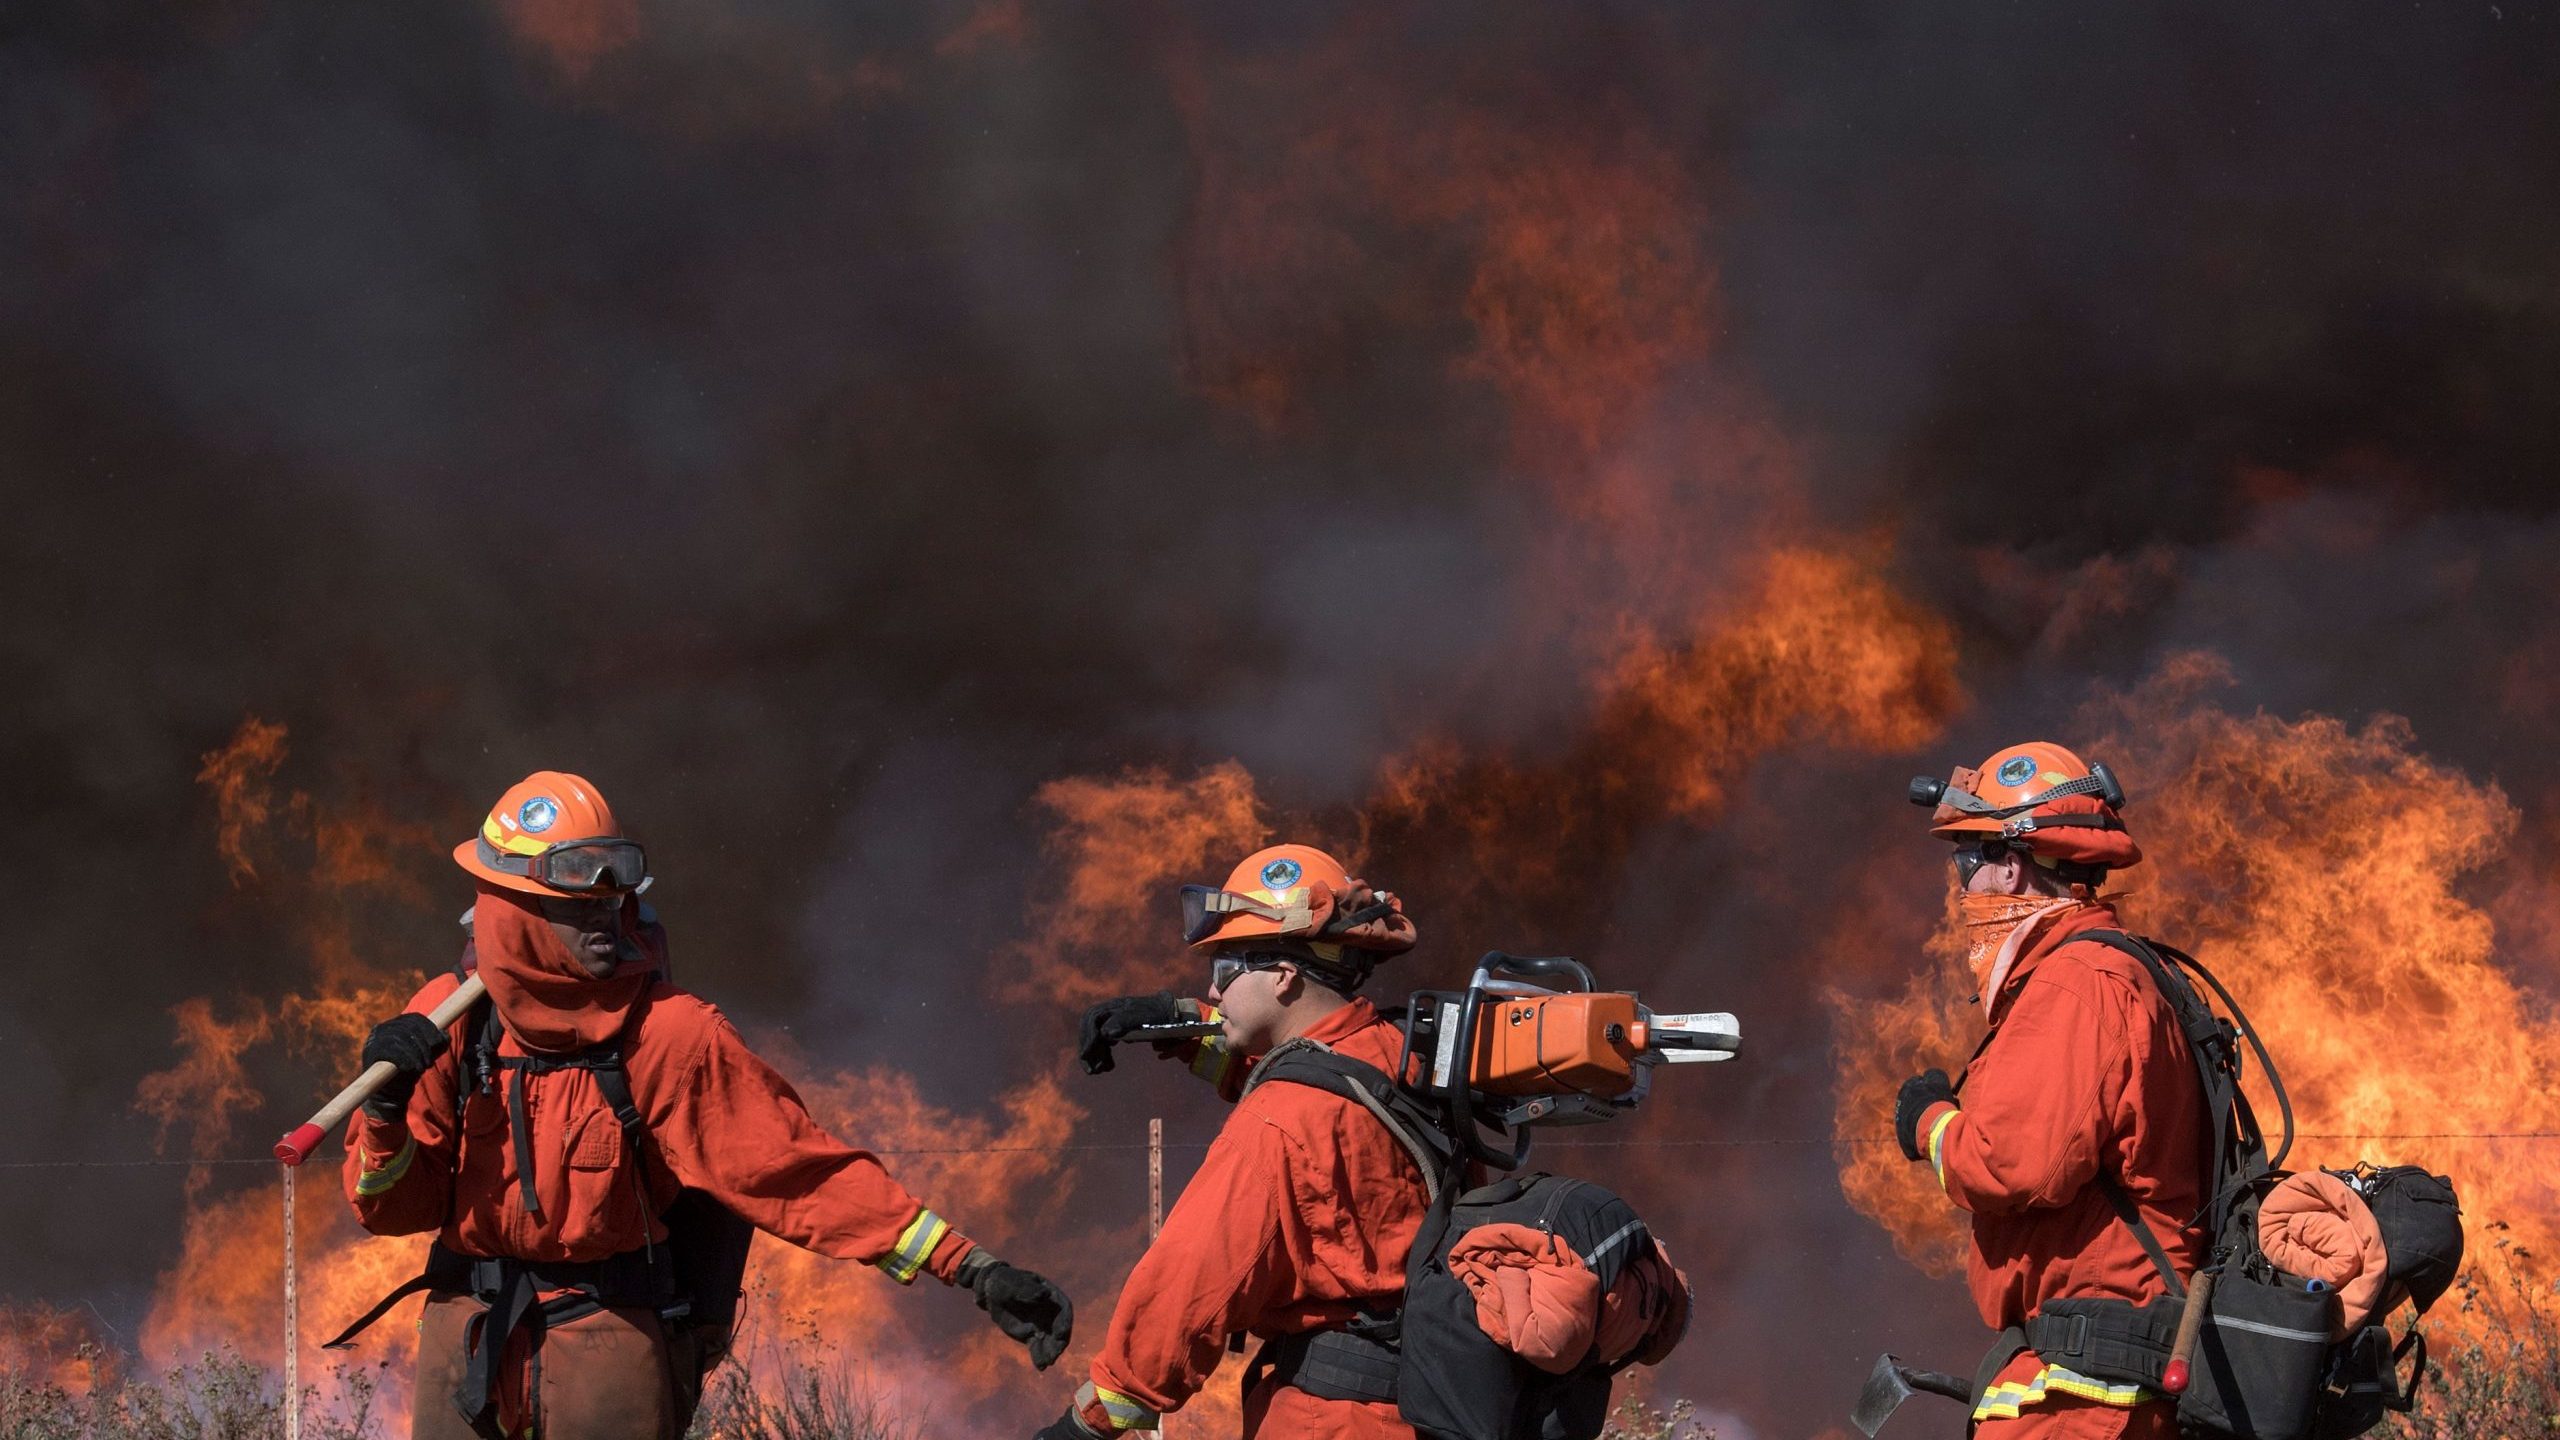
2084 1083
557 1305
1300 1216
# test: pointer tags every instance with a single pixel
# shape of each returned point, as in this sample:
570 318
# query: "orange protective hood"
545 1000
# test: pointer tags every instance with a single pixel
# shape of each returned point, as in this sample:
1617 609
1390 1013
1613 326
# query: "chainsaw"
1543 1044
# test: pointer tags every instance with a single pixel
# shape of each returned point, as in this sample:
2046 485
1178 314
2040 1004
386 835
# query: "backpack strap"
1312 1063
615 1083
2235 1149
2132 1218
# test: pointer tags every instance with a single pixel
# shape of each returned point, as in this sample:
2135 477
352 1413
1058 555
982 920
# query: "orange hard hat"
553 834
1295 892
2037 796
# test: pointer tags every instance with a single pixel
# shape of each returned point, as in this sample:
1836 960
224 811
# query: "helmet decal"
539 814
2017 770
1281 874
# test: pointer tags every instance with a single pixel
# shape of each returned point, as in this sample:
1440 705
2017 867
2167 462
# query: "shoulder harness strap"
1315 1064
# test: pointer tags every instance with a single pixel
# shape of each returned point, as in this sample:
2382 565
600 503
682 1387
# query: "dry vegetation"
2507 1388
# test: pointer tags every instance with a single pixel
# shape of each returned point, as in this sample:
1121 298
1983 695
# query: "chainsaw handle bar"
1566 965
300 1141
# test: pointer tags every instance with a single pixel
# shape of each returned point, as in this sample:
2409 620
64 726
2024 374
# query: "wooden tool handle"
2199 1293
298 1143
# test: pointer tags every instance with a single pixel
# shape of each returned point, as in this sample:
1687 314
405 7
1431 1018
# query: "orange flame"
994 22
65 1349
1118 847
238 774
1819 648
209 1088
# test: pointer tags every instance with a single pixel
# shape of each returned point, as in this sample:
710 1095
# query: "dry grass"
1636 1420
807 1392
221 1397
2504 1387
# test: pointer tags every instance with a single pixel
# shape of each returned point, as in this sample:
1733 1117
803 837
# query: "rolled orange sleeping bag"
2316 1226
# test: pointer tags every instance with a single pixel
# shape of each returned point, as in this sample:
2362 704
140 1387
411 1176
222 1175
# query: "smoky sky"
789 416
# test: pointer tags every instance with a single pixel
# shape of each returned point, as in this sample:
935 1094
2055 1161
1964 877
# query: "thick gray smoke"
823 426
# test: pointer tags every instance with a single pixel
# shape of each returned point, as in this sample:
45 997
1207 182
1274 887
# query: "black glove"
410 1041
1918 1094
1065 1427
1112 1021
1024 1306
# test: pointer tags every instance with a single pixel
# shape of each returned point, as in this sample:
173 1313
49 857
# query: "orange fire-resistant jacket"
1299 1218
2085 1074
717 1118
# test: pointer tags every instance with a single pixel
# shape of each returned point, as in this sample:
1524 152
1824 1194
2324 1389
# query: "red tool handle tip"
2174 1378
299 1142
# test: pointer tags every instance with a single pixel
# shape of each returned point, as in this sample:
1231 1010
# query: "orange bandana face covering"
1997 929
541 992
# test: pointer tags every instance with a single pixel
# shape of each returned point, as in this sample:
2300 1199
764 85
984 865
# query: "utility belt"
513 1293
1358 1362
2103 1339
2107 1339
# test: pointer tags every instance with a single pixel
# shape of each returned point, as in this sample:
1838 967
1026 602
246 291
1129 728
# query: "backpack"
2264 1364
1448 1378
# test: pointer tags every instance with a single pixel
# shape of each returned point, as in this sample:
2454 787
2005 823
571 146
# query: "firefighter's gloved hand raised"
1918 1094
1024 1306
1113 1021
409 1041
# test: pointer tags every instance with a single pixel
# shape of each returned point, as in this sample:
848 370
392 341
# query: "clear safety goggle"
1973 855
1227 967
606 863
1206 907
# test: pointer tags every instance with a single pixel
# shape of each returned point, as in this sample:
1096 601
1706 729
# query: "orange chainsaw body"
1585 1042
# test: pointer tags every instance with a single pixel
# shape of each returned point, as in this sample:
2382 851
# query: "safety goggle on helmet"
1280 891
553 834
2038 799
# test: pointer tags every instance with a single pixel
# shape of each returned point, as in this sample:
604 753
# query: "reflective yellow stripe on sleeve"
1113 1409
373 1180
915 1246
1214 1061
1937 1138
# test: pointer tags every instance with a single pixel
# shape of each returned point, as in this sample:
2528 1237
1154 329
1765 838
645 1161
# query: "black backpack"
2264 1365
1447 1377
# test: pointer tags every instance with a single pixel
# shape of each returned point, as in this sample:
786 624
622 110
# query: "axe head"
1885 1392
1893 1382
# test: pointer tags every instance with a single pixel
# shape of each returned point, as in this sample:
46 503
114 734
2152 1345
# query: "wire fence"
1125 1146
